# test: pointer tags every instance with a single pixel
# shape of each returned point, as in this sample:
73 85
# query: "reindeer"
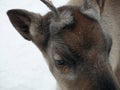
80 42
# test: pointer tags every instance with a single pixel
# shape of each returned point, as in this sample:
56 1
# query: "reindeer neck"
112 7
111 24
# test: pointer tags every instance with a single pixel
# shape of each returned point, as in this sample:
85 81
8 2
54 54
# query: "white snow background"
22 66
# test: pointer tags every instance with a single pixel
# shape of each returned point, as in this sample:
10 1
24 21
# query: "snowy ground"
22 66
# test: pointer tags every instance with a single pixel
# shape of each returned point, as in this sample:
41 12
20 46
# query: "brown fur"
78 52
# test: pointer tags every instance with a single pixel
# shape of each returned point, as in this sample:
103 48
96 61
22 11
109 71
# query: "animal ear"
93 8
22 20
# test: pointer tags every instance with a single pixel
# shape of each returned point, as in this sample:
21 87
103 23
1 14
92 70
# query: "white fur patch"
32 29
65 19
91 12
57 57
91 9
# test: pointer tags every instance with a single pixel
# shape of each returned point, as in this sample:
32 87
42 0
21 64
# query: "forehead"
85 33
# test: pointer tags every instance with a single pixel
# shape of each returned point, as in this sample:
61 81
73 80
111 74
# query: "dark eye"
60 62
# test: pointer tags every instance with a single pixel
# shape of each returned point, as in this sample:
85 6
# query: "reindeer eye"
60 62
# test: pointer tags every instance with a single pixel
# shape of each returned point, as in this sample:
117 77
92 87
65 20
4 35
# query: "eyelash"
60 62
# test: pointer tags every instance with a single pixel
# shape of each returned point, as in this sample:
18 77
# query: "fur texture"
78 45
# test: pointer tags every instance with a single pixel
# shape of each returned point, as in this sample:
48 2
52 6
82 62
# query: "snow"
22 66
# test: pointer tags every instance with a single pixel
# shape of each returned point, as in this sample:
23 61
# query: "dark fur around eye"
60 62
69 26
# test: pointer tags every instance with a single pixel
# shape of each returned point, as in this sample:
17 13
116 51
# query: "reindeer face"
81 39
79 51
73 44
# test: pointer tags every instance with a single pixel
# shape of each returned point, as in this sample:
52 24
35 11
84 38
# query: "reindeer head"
73 43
